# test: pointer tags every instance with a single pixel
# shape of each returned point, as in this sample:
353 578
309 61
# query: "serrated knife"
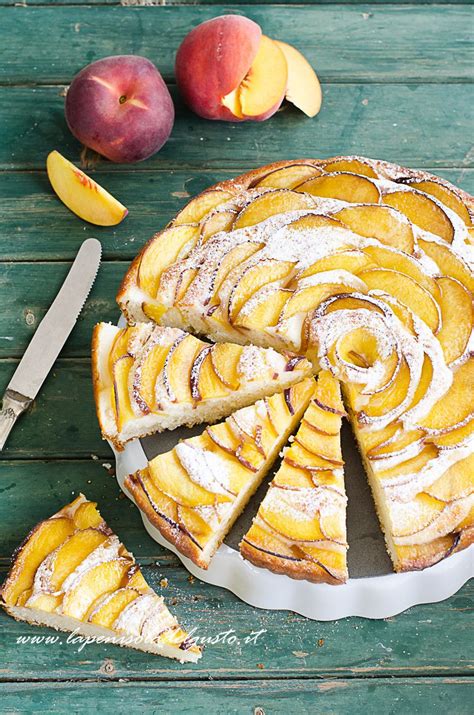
50 336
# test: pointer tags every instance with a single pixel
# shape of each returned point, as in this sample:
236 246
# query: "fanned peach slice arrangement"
81 194
365 268
300 526
148 378
194 493
72 573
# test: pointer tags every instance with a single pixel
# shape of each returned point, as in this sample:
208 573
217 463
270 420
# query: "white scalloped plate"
369 596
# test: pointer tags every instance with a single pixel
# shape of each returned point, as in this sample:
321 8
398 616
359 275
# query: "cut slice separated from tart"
73 574
300 527
194 493
149 378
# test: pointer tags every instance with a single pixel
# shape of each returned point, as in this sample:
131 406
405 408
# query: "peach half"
227 69
81 194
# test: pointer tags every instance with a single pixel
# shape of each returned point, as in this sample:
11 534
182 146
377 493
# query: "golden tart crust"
72 573
364 267
194 493
300 527
148 378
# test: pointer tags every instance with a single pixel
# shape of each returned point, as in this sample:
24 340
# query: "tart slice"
194 493
72 573
422 479
149 378
300 526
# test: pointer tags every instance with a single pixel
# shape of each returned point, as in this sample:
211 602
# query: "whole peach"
120 107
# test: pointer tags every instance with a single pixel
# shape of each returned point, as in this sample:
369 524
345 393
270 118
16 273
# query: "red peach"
120 107
226 69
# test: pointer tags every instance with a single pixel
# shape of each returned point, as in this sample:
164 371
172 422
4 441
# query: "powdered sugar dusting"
204 468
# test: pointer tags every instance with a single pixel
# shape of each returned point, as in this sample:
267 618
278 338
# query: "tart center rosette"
365 268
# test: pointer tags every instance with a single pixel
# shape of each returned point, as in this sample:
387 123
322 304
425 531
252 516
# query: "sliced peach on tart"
108 609
216 222
232 260
204 381
269 204
352 165
262 310
178 366
449 263
288 177
196 209
83 580
303 511
395 260
161 252
455 407
384 223
352 261
422 211
81 194
211 477
254 277
343 186
150 367
96 581
225 359
455 483
444 194
407 291
40 542
71 553
314 291
121 394
456 318
455 437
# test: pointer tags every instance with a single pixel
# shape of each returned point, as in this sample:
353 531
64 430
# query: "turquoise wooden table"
397 85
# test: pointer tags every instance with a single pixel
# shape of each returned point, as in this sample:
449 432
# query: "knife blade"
50 336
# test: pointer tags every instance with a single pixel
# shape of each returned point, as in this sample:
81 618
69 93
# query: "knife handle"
14 405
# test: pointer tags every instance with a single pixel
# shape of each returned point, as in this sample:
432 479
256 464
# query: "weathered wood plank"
416 125
159 3
27 291
62 420
384 43
413 642
34 225
417 696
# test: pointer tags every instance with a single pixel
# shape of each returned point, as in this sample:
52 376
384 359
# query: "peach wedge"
81 194
303 88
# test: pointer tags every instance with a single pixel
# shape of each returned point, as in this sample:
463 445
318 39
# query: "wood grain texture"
229 6
385 43
28 290
418 696
62 420
34 224
411 642
396 86
414 125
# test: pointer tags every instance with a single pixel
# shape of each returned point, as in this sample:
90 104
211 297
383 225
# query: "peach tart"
365 268
72 573
194 493
149 378
300 526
